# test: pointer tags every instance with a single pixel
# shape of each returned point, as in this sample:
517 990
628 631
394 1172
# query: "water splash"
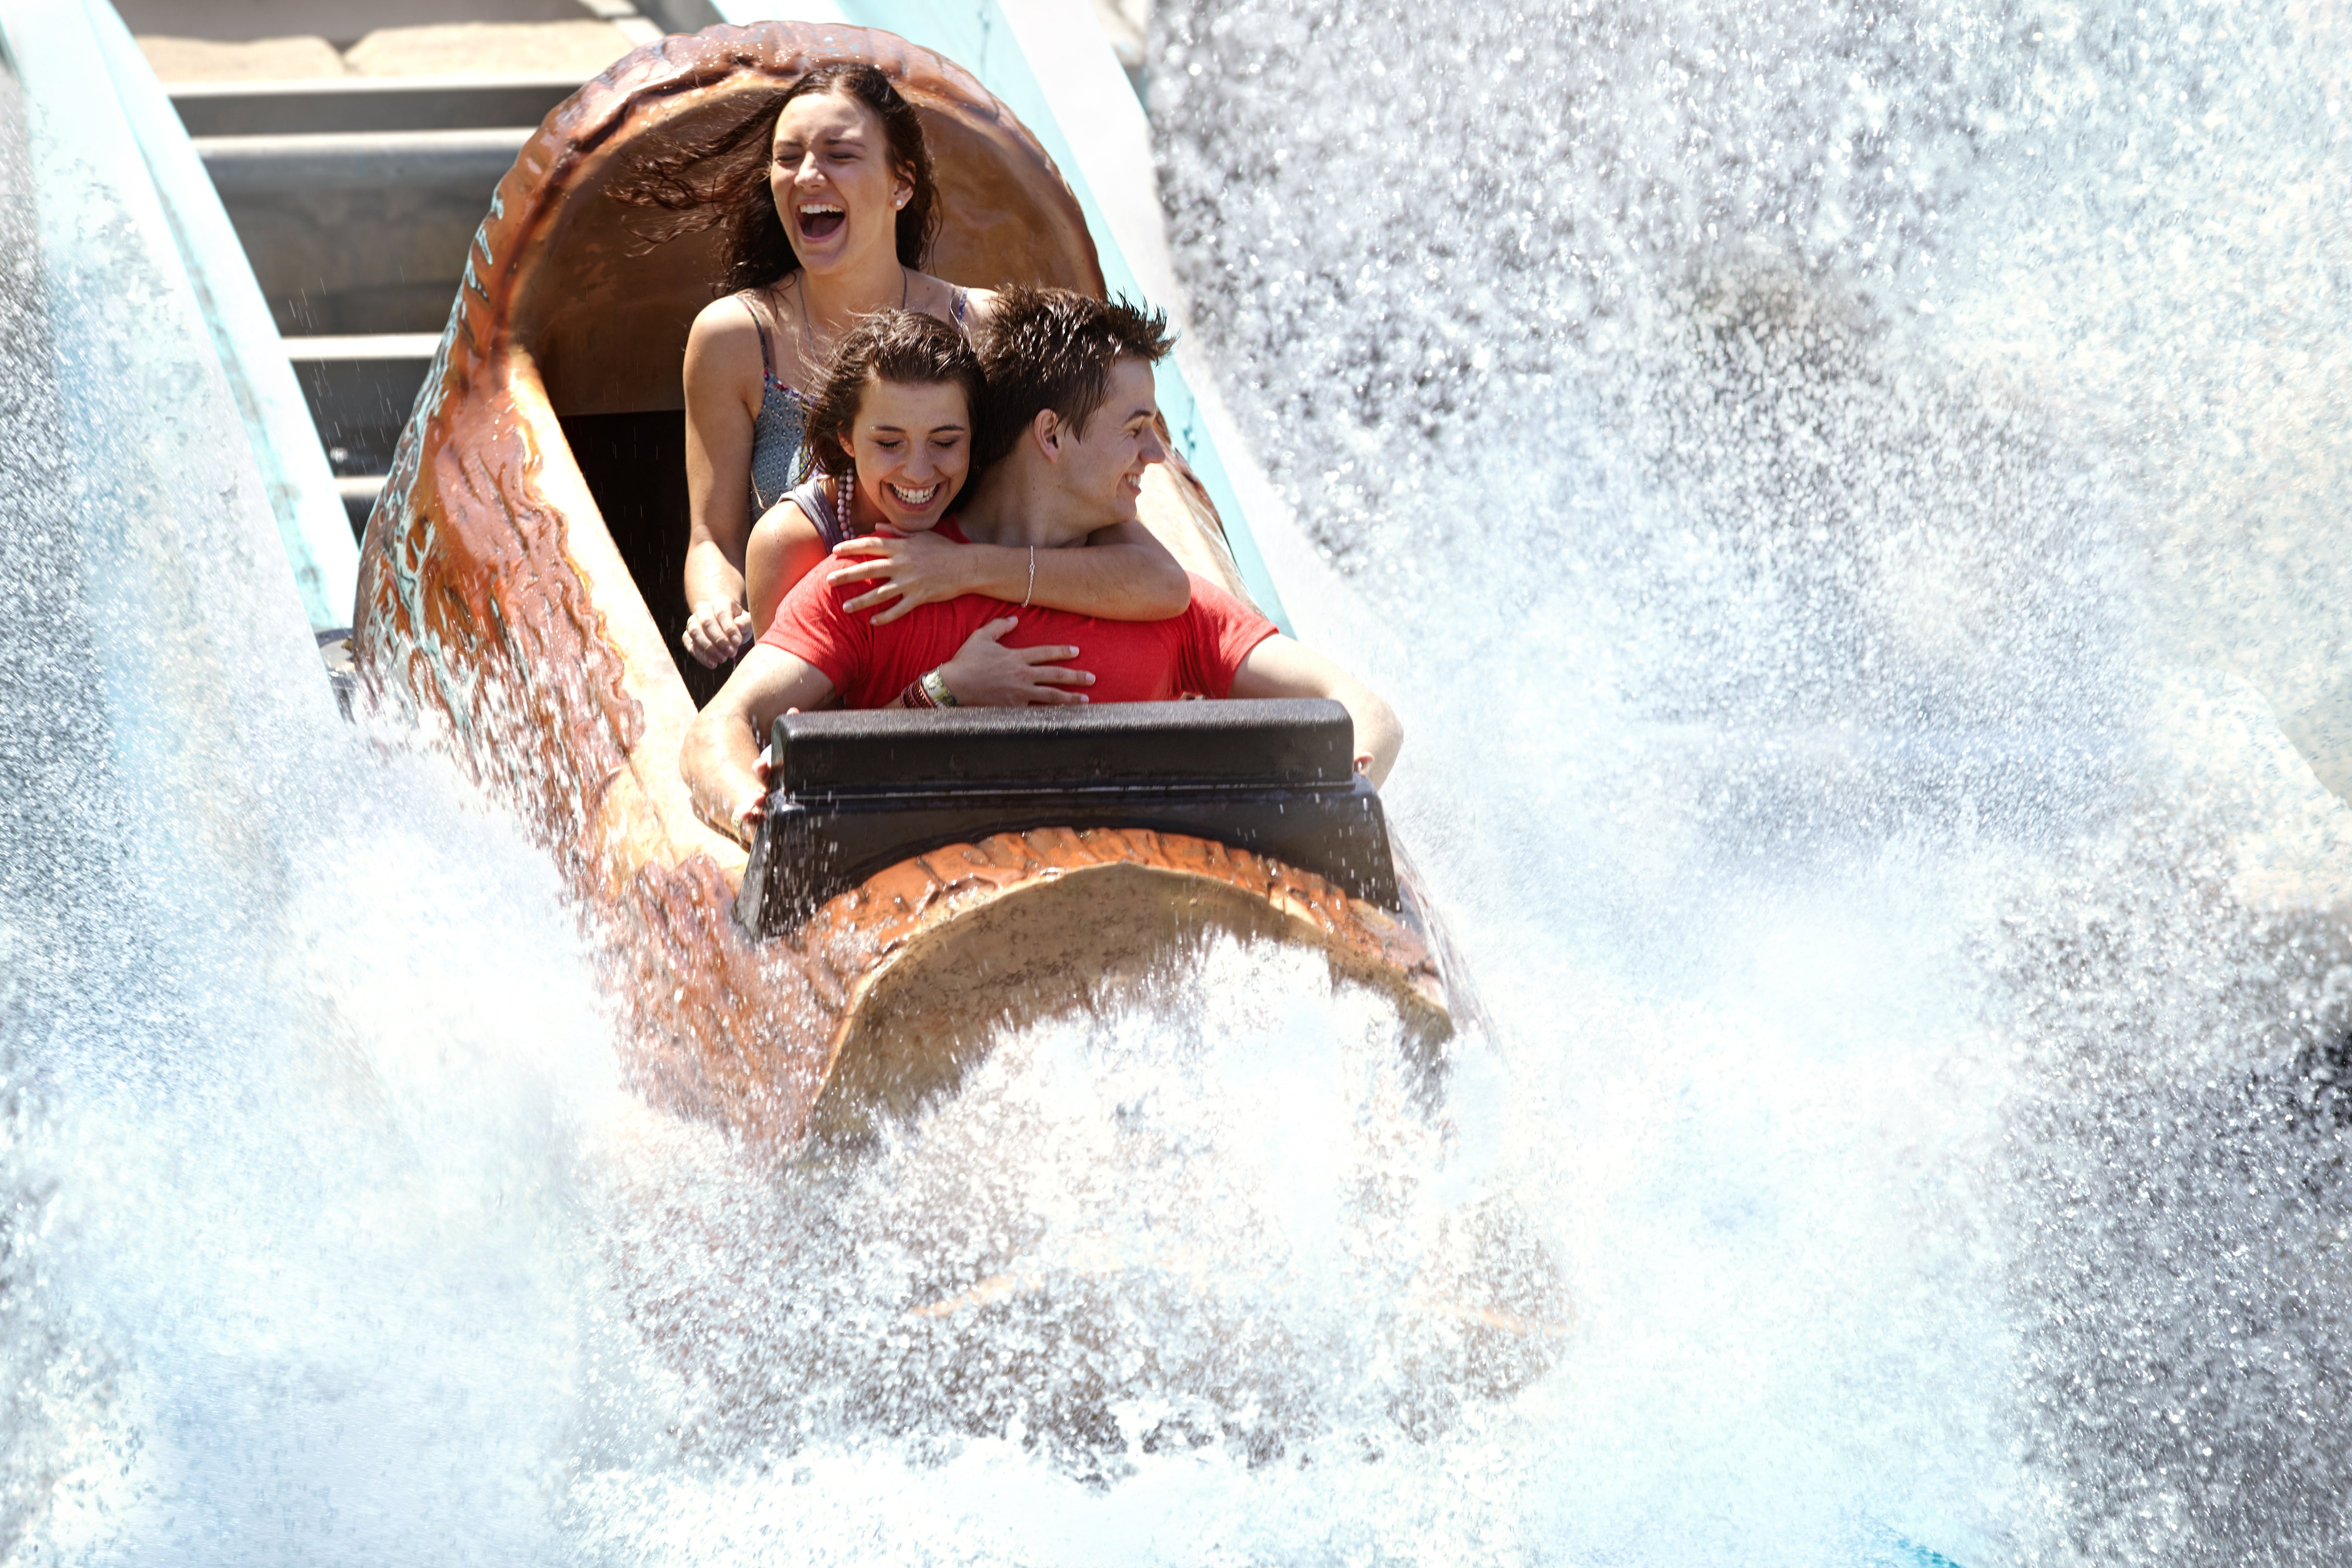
1868 464
1833 498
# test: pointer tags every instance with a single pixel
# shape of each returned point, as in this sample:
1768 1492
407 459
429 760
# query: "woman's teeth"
819 219
907 498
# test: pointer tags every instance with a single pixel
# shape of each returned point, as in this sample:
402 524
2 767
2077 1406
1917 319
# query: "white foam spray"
1835 496
1829 497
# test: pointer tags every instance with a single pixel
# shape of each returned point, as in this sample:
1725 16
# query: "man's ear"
1048 432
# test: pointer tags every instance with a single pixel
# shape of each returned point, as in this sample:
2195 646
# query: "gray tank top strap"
815 497
759 325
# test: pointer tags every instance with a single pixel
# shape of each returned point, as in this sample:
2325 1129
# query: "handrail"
311 519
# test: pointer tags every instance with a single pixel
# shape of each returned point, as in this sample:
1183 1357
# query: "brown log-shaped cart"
520 580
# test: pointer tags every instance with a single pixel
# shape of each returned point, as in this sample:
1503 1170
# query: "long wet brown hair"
720 180
905 348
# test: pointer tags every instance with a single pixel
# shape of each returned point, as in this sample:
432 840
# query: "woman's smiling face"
832 179
913 448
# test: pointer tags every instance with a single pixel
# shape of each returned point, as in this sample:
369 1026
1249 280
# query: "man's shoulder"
1214 605
814 612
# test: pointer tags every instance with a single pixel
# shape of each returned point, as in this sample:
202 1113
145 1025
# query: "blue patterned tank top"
780 435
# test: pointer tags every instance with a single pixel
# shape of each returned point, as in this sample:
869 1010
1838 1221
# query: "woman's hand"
915 568
716 631
984 673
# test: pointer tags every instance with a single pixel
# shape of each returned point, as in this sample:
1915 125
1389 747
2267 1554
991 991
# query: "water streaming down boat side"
167 521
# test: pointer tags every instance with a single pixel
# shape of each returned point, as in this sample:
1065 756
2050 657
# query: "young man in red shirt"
1073 408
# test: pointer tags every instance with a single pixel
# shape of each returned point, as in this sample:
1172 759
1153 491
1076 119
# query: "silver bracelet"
935 685
1032 578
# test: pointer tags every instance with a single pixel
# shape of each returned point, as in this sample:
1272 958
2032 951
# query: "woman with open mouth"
833 225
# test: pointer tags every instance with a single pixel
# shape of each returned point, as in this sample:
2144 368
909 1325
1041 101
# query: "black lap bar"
852 793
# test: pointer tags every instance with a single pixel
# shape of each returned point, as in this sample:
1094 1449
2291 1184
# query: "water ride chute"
517 583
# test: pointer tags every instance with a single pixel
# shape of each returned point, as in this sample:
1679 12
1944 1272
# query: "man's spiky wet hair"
1050 348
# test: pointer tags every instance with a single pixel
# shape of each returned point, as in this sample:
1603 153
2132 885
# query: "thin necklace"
808 332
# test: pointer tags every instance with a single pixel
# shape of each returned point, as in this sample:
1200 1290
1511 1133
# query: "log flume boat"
925 880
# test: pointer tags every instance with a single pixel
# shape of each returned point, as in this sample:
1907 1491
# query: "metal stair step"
360 388
469 161
367 346
359 493
363 103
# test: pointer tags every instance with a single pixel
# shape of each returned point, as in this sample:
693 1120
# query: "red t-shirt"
1195 653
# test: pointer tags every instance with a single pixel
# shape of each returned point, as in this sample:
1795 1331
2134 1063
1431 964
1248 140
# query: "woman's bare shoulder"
724 321
784 521
723 345
784 547
939 298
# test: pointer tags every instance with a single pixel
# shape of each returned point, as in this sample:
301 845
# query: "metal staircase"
356 200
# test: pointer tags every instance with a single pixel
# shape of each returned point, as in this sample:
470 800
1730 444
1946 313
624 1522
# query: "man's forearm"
1279 666
720 758
720 761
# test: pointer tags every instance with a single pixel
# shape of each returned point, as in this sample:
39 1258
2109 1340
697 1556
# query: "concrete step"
360 231
356 197
356 201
